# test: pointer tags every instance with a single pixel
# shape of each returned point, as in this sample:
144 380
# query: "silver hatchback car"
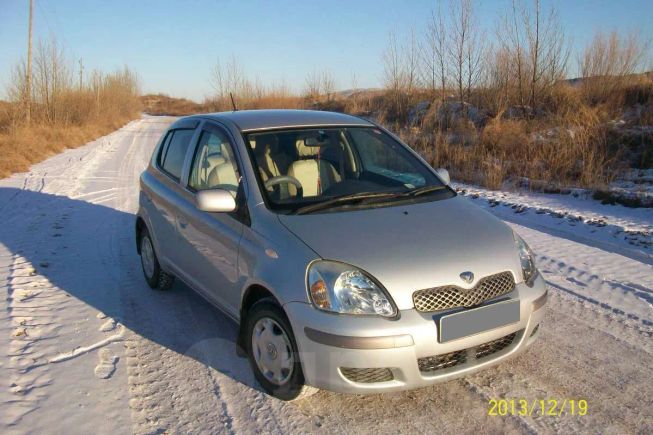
348 262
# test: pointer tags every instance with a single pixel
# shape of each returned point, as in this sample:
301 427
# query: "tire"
268 315
156 278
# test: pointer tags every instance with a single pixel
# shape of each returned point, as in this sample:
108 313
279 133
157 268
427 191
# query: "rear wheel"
272 352
156 278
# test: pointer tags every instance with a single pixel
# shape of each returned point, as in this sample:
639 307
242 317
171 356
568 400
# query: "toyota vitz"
348 262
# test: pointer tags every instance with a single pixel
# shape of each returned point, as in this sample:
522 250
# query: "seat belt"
319 175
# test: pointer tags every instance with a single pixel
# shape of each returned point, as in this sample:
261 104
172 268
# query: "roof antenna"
233 103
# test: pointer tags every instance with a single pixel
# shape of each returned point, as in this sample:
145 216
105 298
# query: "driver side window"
214 164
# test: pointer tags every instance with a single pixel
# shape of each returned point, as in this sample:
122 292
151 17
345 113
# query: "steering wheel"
285 179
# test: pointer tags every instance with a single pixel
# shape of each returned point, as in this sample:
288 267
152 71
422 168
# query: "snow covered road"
87 347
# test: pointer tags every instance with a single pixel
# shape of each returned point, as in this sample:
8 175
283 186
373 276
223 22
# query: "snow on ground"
576 215
86 346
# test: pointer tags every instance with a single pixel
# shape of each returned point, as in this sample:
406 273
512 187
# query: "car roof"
251 120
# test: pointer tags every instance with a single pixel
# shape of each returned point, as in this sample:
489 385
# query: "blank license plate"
476 320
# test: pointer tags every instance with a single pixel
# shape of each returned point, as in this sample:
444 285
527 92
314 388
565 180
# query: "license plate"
476 320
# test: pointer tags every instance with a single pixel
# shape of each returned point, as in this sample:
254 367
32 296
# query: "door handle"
183 224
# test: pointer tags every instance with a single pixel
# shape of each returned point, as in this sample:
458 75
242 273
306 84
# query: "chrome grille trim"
440 362
368 375
451 296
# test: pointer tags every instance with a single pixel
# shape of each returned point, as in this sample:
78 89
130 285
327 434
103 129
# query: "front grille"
451 296
439 362
487 349
367 376
452 359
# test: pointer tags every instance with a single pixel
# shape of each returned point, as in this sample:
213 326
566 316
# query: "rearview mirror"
216 201
444 175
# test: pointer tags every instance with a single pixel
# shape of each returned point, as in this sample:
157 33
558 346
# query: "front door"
209 241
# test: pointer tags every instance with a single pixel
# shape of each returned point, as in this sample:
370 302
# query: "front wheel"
156 278
272 352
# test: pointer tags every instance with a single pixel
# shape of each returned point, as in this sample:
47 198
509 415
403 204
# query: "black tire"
294 387
158 280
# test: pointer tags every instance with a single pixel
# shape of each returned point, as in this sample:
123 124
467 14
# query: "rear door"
166 194
209 241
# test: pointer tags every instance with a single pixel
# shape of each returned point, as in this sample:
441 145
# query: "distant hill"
358 91
162 104
579 80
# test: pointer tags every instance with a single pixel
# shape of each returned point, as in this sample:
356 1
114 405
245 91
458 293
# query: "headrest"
215 160
306 151
267 142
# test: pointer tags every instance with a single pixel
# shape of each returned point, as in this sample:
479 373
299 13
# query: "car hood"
412 247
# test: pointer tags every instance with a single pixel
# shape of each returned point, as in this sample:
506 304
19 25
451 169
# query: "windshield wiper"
422 190
342 200
360 197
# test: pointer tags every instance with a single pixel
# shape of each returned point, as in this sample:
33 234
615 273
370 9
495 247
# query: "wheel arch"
251 295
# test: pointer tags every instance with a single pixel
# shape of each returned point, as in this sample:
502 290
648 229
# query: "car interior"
316 159
214 165
330 162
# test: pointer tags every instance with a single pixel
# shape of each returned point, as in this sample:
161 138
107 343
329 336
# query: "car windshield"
328 169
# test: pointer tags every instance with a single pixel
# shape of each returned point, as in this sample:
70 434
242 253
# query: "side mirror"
216 201
444 175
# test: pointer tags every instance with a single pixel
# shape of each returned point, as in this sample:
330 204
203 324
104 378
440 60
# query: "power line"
29 64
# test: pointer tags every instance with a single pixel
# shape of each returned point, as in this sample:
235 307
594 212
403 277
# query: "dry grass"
161 104
24 146
560 150
59 112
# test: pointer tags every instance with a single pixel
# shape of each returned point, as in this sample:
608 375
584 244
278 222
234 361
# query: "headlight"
526 259
341 288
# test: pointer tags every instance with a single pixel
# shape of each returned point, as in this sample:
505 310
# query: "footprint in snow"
107 365
109 325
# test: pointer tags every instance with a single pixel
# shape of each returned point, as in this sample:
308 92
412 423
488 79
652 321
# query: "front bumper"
333 346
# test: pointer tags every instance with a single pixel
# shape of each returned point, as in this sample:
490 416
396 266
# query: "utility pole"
81 73
29 64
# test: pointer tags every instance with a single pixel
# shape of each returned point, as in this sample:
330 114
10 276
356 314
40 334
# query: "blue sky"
174 44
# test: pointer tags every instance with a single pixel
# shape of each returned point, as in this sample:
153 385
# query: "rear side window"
174 150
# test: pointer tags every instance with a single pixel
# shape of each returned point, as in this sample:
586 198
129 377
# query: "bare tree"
328 84
313 85
434 54
320 84
230 78
608 60
499 77
548 53
393 72
354 81
52 77
411 64
511 37
466 49
394 77
538 50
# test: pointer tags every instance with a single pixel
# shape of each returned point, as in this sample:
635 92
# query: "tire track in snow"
169 392
577 357
183 375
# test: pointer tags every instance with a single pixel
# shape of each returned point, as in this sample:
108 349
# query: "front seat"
314 174
223 174
270 161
